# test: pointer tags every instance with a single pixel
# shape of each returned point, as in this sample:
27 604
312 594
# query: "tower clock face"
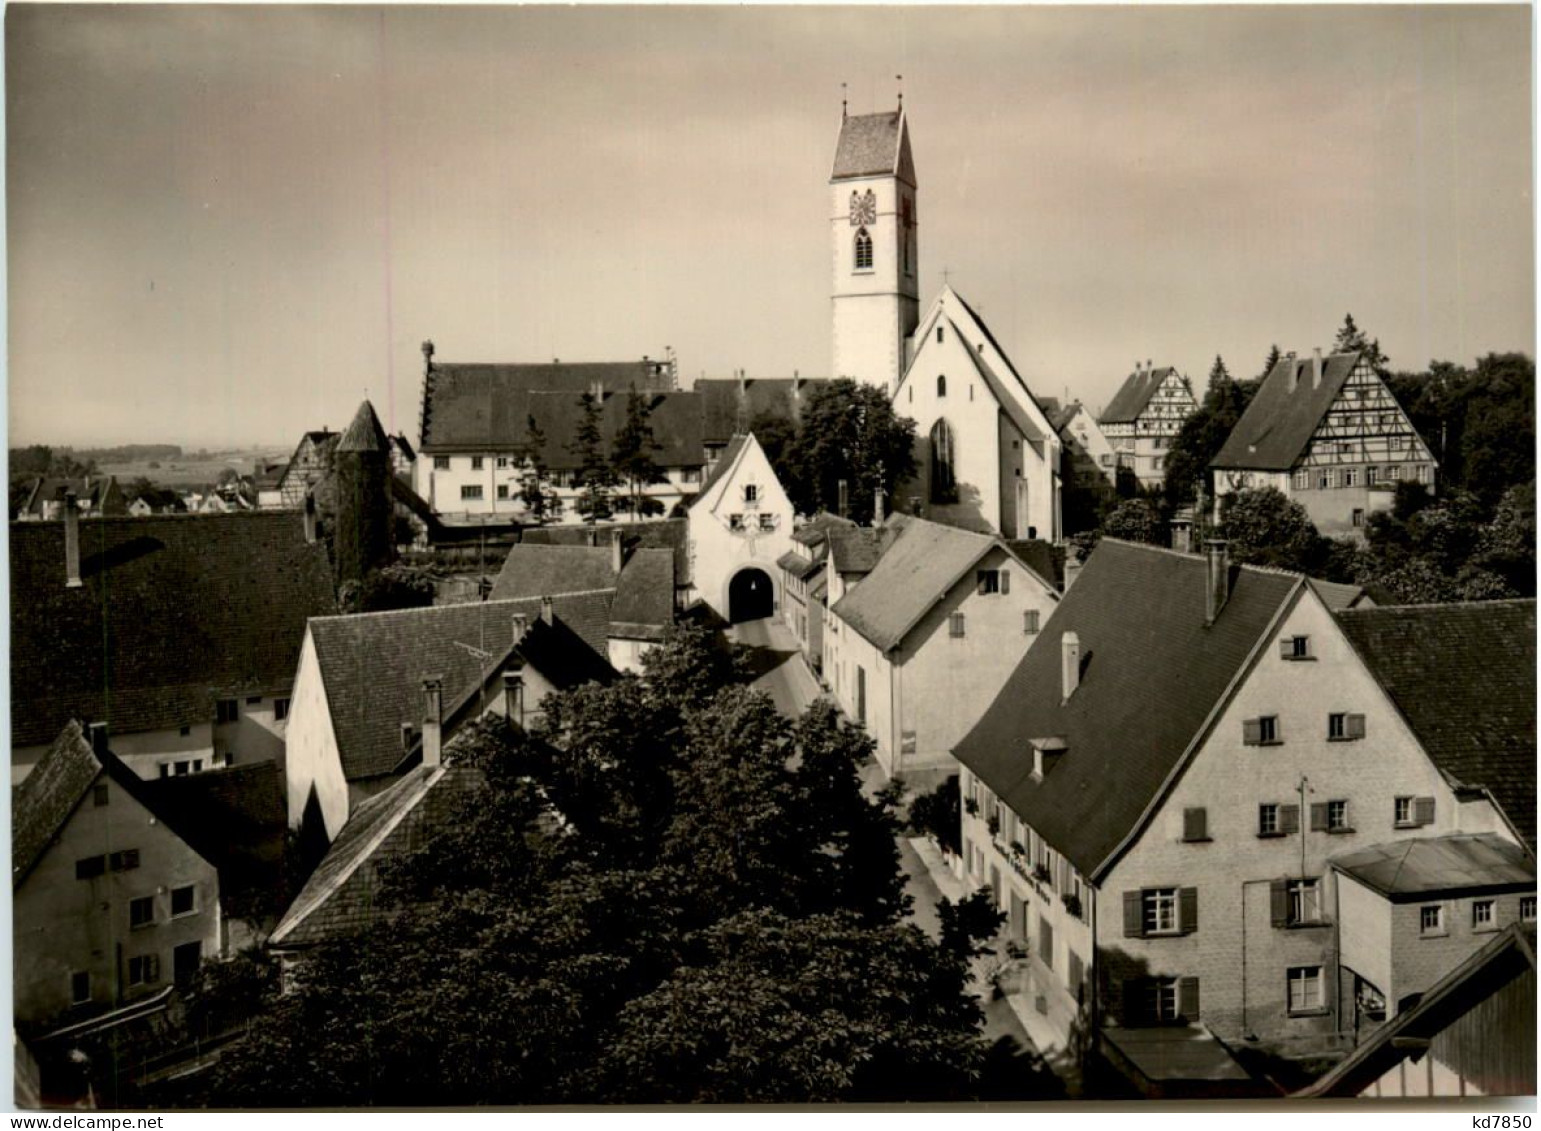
864 208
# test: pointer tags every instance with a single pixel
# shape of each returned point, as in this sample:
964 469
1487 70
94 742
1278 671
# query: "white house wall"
312 759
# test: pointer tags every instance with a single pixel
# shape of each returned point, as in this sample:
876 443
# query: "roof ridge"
424 609
1467 604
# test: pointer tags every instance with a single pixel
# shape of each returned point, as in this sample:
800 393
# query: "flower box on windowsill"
1072 904
1041 873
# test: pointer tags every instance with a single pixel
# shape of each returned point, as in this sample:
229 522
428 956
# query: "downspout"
895 713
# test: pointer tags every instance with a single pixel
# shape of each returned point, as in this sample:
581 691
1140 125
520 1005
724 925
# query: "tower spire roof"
365 433
874 145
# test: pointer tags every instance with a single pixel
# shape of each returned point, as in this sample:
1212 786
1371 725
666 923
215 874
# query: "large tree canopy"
848 432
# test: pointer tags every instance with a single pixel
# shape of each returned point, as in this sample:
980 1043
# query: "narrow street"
1015 1069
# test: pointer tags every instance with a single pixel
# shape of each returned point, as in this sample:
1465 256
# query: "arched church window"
944 484
941 384
863 250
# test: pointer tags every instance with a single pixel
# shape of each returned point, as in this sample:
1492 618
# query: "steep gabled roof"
1507 965
46 798
1133 395
172 611
671 534
856 549
1427 867
1152 673
913 573
364 434
720 469
373 664
1274 432
815 532
874 145
341 896
95 492
1464 678
644 596
535 570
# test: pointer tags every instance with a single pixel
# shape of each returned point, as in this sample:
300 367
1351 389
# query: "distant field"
189 472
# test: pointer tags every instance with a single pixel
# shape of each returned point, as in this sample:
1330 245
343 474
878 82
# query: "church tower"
875 248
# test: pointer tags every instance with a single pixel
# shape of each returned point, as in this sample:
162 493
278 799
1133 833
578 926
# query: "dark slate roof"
1425 866
1464 678
373 664
856 549
1042 558
815 531
44 800
535 570
776 397
173 610
1151 673
1507 964
923 562
364 434
479 405
234 818
644 596
675 420
664 534
400 443
1133 395
723 465
798 566
339 899
873 145
1273 433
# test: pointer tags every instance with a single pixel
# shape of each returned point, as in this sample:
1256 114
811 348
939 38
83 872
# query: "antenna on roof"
843 93
900 80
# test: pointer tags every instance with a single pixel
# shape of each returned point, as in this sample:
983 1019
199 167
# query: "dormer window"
751 493
863 250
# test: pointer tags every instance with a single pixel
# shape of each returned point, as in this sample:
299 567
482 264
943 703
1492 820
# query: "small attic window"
939 333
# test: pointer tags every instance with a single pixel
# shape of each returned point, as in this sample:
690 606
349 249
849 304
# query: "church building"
988 457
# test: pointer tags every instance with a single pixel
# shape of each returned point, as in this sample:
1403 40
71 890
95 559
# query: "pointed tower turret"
361 465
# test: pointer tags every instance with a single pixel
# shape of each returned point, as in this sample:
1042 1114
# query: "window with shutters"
1344 727
1413 812
1195 825
125 861
1160 911
1030 622
1161 1001
1296 903
1337 817
1295 648
955 624
988 581
1305 990
1263 731
1274 819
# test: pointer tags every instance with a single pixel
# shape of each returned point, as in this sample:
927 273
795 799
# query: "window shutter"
152 968
1286 649
980 585
1134 915
1005 581
1318 816
1195 822
1188 998
1188 910
1356 726
1279 903
1289 818
1423 810
1252 732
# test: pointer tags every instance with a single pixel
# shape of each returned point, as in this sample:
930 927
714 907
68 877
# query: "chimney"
547 613
1316 368
617 553
1182 535
428 356
310 518
1217 578
1294 371
1069 664
513 692
406 738
521 626
597 389
877 506
433 718
98 733
1150 368
71 542
843 499
1138 372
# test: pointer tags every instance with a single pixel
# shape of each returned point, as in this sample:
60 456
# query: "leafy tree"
1351 339
1136 520
394 586
595 474
534 476
1126 484
632 456
1203 434
1498 439
776 433
1264 527
937 814
849 432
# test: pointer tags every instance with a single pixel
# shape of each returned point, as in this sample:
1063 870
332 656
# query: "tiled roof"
234 818
340 897
798 566
1273 433
373 664
1464 678
1151 673
102 491
1041 557
535 570
856 549
173 611
44 800
644 596
364 434
486 406
664 534
815 531
872 145
723 465
1425 866
1133 395
775 397
916 570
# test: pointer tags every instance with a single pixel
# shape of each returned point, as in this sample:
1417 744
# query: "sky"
229 225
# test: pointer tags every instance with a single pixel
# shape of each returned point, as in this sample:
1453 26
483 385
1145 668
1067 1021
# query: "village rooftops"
730 406
1427 867
96 494
171 613
233 817
1276 429
815 531
1133 396
1464 677
923 561
644 596
373 664
874 145
1152 669
534 570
